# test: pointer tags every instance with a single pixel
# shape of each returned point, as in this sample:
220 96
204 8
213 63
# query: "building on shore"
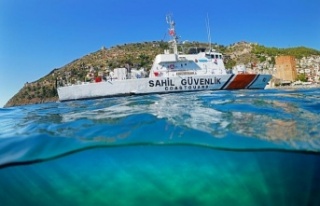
286 69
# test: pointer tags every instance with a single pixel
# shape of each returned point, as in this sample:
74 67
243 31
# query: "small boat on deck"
170 72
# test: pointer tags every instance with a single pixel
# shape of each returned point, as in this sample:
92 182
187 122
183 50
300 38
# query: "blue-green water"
205 148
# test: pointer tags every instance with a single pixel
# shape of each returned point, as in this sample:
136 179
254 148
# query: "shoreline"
295 87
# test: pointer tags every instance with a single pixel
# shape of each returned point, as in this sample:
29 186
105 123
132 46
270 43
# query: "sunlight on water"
205 148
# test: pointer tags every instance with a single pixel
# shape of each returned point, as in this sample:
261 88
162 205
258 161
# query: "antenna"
168 18
208 31
172 33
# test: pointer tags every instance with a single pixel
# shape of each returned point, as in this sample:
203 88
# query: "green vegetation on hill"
297 52
138 55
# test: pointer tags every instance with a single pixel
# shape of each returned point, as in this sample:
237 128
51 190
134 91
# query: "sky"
37 36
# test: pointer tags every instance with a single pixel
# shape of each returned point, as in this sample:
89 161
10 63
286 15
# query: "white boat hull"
163 85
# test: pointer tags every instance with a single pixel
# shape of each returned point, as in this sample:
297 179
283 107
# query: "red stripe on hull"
241 81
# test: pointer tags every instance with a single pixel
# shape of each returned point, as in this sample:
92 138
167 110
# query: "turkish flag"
171 32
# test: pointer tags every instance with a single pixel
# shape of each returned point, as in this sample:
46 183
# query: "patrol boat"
170 72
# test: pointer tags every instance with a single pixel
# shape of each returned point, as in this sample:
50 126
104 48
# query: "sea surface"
259 147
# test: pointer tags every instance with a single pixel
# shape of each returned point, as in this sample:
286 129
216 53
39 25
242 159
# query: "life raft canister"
98 79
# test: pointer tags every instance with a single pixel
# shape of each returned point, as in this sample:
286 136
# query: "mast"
208 31
172 33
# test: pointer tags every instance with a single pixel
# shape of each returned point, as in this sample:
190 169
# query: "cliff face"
44 89
137 55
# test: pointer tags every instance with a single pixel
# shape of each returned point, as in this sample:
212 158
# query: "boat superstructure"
170 72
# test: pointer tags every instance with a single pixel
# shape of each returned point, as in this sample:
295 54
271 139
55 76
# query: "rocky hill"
137 55
44 89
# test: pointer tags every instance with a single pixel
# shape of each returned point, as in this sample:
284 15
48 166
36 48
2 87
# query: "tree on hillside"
302 77
230 63
297 52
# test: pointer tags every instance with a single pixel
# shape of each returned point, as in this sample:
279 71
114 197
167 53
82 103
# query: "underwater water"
259 147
